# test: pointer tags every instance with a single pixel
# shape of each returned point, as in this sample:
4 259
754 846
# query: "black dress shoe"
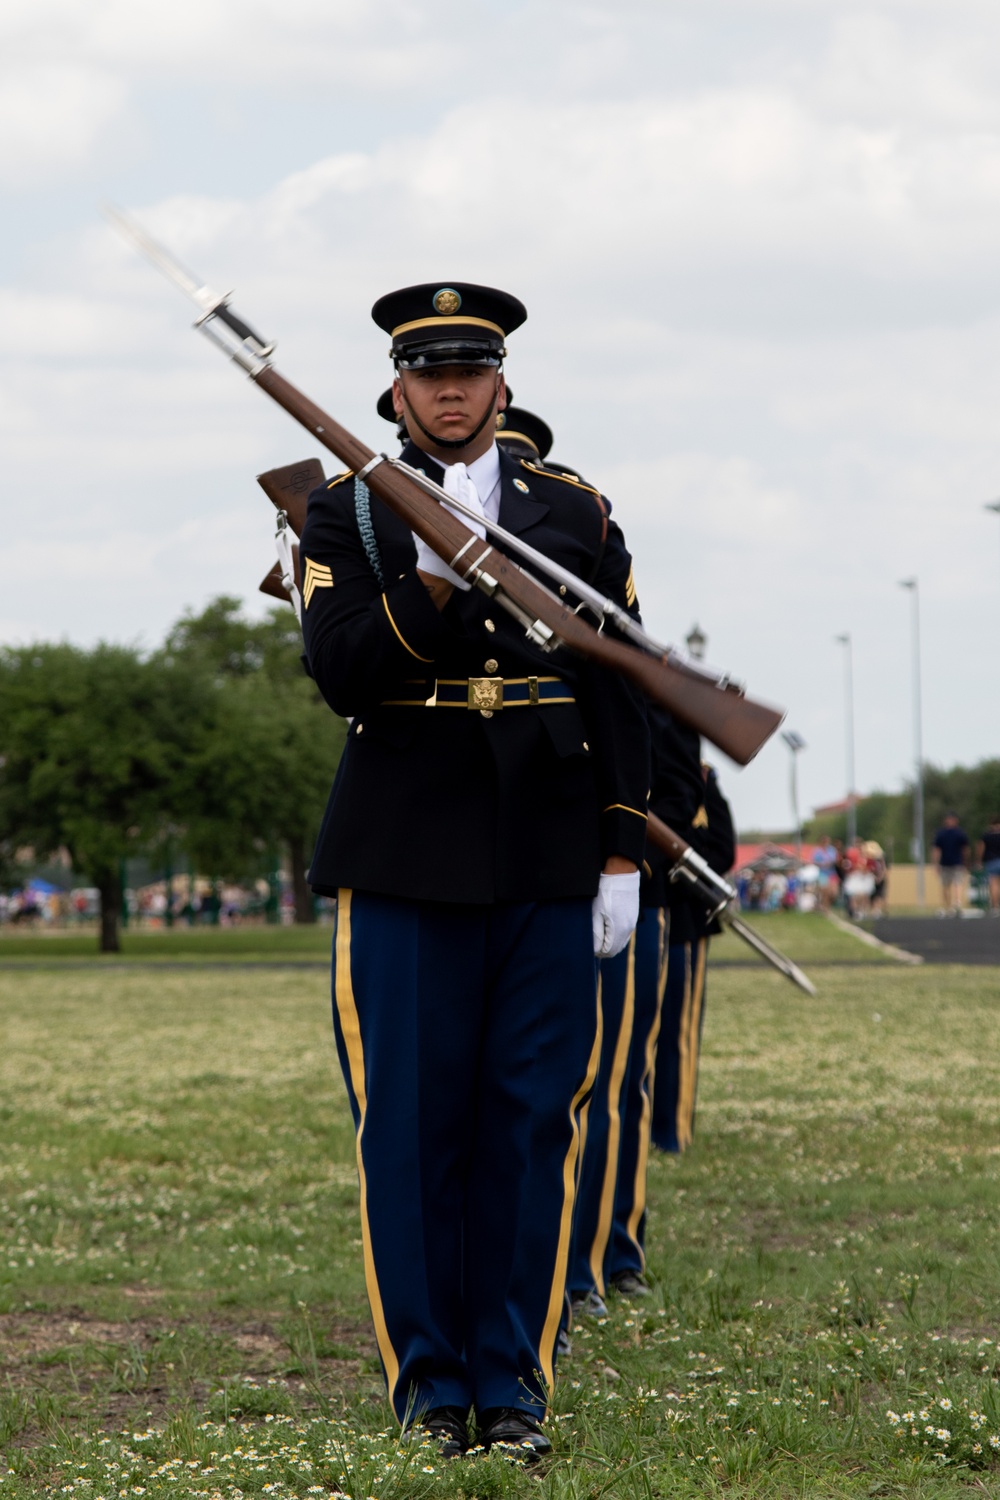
506 1427
588 1305
630 1284
444 1425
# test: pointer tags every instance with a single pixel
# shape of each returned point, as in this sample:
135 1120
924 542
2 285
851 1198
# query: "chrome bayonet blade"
206 298
241 343
774 956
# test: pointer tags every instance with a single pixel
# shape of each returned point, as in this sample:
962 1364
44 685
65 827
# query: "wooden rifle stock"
288 489
736 724
665 839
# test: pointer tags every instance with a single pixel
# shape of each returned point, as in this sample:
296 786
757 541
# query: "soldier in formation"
483 839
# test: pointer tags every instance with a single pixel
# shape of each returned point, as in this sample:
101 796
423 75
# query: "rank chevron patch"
316 576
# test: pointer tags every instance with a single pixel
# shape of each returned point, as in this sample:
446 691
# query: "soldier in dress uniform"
483 838
608 1235
679 1046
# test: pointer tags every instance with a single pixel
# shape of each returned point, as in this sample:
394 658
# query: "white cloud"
762 315
53 116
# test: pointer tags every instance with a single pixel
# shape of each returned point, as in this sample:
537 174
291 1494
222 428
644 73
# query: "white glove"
615 913
457 483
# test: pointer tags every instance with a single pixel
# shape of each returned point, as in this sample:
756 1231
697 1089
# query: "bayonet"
713 706
719 898
212 304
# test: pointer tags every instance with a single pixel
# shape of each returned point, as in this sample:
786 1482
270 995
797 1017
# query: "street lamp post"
696 641
912 585
994 506
795 743
852 808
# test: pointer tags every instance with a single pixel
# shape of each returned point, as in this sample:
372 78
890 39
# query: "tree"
93 746
263 761
971 791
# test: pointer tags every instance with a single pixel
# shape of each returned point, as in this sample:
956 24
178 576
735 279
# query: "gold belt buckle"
486 693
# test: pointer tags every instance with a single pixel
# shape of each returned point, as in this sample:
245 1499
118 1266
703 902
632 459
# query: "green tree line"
973 792
217 744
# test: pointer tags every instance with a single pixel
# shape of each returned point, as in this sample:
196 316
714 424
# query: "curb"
901 955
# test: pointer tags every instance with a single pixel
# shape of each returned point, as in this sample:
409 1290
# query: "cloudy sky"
760 248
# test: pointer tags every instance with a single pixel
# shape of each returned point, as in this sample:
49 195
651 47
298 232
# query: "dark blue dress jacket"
442 803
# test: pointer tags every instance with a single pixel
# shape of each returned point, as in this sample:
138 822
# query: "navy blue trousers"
602 1128
678 1049
626 1250
611 1199
468 1037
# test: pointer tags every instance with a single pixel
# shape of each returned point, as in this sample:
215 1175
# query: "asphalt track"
943 940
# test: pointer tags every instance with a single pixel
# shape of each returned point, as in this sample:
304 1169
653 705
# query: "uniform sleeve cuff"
413 618
623 832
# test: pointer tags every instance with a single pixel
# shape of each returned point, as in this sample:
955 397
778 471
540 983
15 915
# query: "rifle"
715 707
718 895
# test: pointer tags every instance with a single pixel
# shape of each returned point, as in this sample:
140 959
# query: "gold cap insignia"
316 576
519 484
446 301
501 420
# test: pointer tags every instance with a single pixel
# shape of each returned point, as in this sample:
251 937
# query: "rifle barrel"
739 726
677 849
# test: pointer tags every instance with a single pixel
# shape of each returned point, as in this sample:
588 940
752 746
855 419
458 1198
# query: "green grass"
181 943
807 938
181 1300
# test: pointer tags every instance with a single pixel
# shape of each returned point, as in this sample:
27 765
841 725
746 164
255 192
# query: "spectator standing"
951 856
825 860
875 855
988 855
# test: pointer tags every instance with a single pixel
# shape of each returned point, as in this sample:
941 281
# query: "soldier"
483 837
662 1078
608 1232
679 1045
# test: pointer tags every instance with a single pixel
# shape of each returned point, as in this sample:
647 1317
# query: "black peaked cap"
516 424
430 322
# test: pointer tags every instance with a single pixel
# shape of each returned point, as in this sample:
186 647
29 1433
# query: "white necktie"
461 488
457 482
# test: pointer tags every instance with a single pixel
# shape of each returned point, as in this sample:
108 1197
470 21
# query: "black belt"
489 694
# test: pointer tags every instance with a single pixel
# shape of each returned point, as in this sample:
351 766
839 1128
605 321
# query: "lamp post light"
912 585
994 506
852 808
696 641
795 743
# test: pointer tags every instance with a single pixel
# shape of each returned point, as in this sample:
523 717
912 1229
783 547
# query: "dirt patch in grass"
69 1366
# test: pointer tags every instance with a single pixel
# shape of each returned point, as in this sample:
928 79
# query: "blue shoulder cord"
363 511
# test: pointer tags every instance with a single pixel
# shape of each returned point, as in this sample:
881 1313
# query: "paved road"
943 940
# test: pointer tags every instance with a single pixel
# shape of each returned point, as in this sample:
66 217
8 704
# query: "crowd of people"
201 903
852 876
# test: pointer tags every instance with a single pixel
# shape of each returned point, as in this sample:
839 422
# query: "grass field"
181 1300
806 938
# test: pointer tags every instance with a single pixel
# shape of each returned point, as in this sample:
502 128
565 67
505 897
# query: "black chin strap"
454 442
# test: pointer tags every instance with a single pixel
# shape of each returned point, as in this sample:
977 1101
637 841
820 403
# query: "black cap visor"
417 354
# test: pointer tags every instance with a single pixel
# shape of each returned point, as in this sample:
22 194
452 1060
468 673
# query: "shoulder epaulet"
566 478
339 478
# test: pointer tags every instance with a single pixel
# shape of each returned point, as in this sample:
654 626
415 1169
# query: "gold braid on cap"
452 322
